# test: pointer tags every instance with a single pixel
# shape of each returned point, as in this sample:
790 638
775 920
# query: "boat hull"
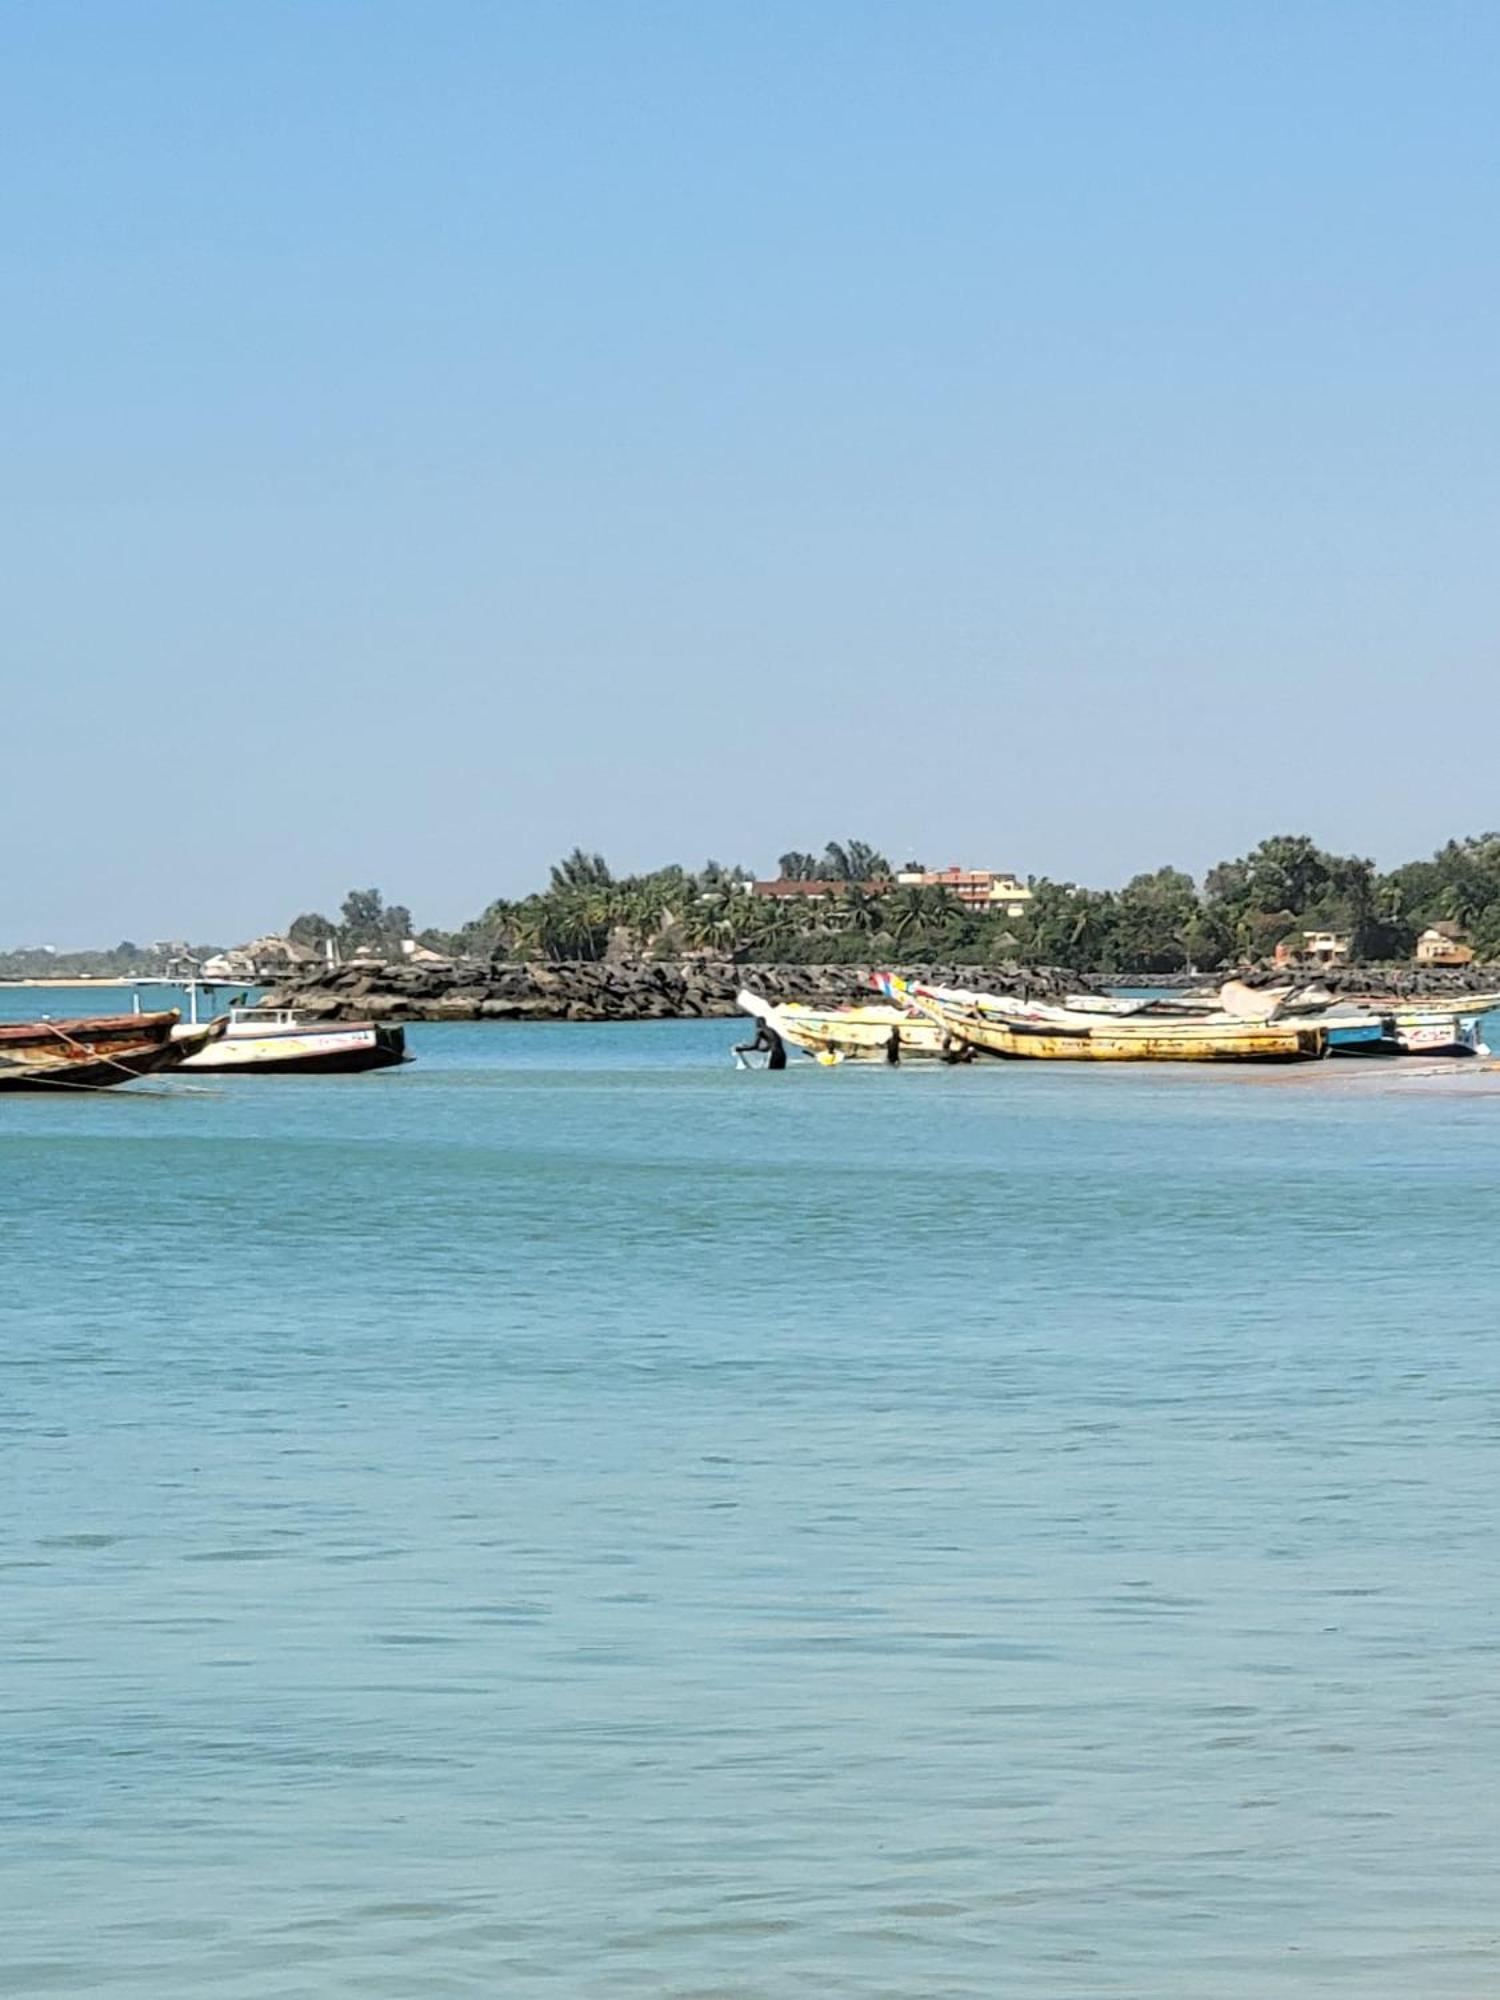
848 1034
338 1048
863 1034
90 1054
1418 1031
1298 1045
1194 1041
1424 1033
1358 1038
1150 1025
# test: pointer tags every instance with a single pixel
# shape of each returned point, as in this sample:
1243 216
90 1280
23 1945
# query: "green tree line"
1161 921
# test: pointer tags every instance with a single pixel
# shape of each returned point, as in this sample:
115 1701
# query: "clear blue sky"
1058 436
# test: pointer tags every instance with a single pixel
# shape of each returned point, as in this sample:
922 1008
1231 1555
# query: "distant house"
977 888
262 958
421 954
1444 944
1325 947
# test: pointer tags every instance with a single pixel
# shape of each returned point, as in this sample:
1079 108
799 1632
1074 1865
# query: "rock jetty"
688 989
693 989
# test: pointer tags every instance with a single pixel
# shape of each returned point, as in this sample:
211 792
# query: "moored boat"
1386 1026
1434 1031
1348 1034
848 1034
997 1027
97 1052
281 1041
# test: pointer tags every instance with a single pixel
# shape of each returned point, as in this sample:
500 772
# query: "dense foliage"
1158 922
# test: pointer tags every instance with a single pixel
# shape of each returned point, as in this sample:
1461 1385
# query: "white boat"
253 1040
1435 1031
847 1034
280 1041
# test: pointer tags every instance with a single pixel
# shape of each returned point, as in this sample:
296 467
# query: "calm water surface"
570 1518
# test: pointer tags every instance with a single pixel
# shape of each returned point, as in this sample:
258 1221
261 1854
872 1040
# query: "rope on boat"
89 1055
72 1083
92 1055
56 1083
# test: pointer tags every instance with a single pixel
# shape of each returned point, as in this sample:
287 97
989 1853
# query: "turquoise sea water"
570 1518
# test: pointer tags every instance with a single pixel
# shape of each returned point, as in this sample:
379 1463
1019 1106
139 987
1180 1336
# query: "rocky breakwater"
1403 980
688 989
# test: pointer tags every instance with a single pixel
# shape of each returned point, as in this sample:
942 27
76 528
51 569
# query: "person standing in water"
767 1040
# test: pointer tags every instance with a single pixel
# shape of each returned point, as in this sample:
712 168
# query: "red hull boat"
93 1053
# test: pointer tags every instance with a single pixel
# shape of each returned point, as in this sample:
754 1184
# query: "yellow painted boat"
979 1027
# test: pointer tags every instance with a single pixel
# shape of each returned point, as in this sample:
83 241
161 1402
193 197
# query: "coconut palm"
858 911
702 916
915 912
579 870
1459 903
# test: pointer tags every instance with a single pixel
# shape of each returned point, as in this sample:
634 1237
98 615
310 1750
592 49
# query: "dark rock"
697 988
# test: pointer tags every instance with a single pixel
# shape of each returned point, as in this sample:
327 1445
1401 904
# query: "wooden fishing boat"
1382 1025
848 1034
1103 1045
281 1041
997 1028
94 1053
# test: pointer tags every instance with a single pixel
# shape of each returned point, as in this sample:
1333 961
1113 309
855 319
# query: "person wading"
767 1040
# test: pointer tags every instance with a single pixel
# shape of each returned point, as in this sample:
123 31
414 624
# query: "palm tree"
529 928
644 912
775 929
917 911
563 924
492 932
742 926
719 919
581 871
703 917
858 911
